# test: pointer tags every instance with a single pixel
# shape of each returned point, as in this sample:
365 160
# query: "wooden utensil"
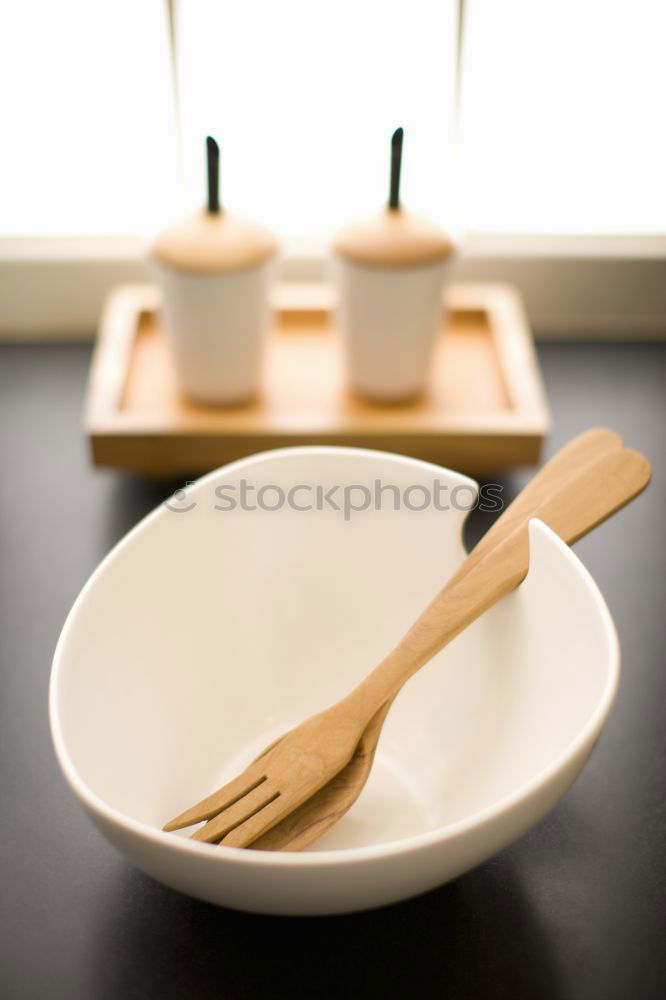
304 760
323 809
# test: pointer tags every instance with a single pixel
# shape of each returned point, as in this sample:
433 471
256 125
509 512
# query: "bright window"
560 129
87 117
303 97
562 116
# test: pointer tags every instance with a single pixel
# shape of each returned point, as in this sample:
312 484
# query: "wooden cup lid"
395 238
210 243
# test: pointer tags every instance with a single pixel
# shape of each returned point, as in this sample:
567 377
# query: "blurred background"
532 128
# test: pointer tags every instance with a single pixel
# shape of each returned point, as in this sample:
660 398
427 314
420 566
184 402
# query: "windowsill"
599 286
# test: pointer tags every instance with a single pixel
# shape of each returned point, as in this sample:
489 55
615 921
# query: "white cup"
214 269
216 325
389 318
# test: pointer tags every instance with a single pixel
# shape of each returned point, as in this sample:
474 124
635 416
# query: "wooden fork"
321 811
305 759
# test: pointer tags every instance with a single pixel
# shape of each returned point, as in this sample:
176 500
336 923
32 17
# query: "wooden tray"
485 408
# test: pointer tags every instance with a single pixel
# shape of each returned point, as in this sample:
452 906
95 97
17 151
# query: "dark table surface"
576 909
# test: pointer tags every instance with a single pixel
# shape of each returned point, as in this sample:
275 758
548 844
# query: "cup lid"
395 238
210 243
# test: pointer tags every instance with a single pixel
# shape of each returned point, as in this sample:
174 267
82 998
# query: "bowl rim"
439 836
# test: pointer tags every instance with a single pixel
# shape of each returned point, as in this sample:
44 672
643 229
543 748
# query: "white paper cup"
389 318
216 326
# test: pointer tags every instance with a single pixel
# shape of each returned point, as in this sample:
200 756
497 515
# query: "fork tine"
243 809
246 832
221 799
313 817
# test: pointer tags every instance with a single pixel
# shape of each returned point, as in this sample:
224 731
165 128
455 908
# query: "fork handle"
583 450
575 508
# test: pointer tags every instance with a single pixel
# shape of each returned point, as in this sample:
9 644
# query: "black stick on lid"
396 162
213 163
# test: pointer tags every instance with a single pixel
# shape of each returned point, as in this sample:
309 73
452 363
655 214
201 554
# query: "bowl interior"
208 631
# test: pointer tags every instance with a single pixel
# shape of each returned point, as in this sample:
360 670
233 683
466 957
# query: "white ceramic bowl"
207 632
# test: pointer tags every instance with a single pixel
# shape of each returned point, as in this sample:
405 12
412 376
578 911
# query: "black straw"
213 163
396 161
